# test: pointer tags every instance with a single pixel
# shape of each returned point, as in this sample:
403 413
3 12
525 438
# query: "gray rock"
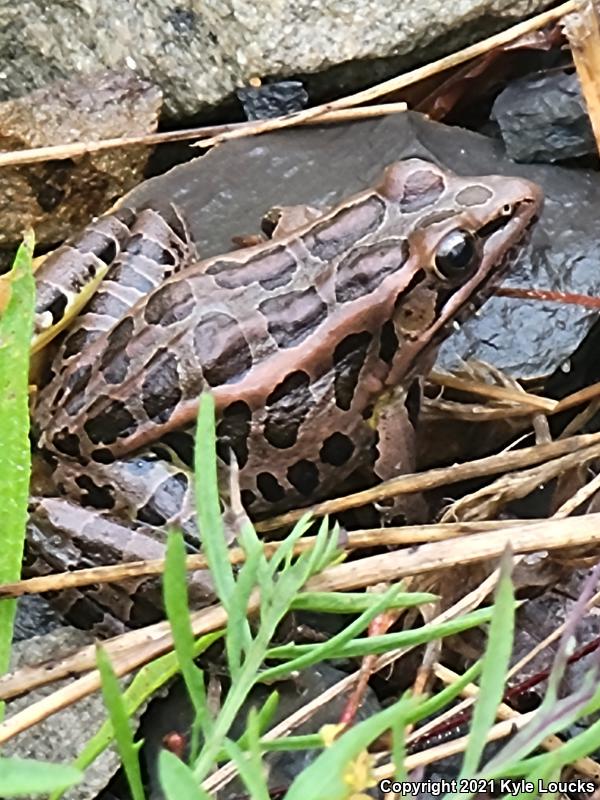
544 119
61 737
198 53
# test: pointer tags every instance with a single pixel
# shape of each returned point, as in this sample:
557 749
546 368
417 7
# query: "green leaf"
239 637
249 762
24 776
113 700
399 752
177 779
355 602
16 327
148 680
264 716
381 644
495 667
276 594
579 746
329 648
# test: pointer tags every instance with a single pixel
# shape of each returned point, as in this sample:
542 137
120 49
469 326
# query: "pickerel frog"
312 343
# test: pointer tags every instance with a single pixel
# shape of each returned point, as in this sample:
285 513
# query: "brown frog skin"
306 342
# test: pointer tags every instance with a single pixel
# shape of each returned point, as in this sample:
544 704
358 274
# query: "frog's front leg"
395 419
62 536
278 222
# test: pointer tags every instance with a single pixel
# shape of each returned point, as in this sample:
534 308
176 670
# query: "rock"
60 737
199 53
544 119
55 197
272 100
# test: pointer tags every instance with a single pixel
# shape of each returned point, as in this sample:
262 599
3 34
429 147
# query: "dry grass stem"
583 32
581 419
452 748
577 398
587 766
61 152
505 394
487 502
581 496
139 647
443 476
354 540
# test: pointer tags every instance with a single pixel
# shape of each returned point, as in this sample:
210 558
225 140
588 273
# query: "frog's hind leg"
155 249
152 488
146 251
62 536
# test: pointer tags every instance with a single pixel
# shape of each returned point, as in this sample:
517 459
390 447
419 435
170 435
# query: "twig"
583 32
504 393
485 502
587 766
433 478
354 540
133 650
60 152
405 484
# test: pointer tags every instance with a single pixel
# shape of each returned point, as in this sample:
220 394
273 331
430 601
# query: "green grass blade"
275 604
239 637
381 644
284 552
579 746
128 749
495 667
16 327
355 602
249 761
210 521
426 708
178 614
264 715
149 679
441 699
327 649
177 779
24 776
399 751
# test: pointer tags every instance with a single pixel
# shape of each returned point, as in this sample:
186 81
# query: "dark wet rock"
273 100
61 736
544 119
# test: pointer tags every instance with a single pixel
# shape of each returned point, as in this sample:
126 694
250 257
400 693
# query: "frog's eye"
457 255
